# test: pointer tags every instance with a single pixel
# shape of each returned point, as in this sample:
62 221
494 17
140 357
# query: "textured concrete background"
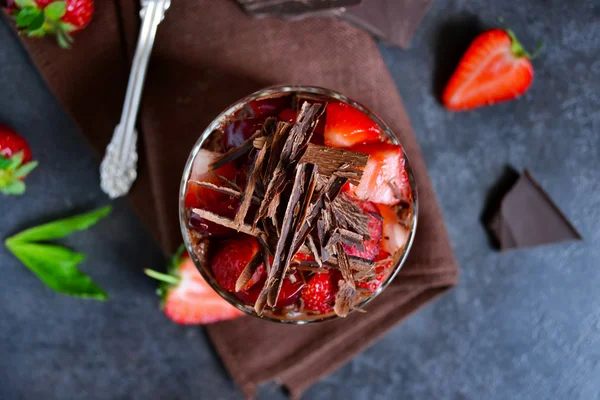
521 325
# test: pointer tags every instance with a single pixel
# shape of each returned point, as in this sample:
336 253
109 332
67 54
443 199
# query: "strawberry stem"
516 47
173 280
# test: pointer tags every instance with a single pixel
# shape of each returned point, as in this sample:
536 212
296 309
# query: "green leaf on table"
55 11
62 227
56 266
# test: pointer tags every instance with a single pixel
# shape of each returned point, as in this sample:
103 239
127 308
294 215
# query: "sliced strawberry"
230 259
384 179
395 235
268 107
371 246
288 115
239 131
300 256
188 299
381 271
319 293
495 68
347 126
208 199
290 291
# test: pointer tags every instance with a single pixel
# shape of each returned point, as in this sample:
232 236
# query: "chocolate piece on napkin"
528 217
212 54
292 8
392 21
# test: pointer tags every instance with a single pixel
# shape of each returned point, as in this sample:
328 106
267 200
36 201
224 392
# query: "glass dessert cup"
199 249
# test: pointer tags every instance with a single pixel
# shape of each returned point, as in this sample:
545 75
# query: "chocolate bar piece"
392 21
292 8
528 217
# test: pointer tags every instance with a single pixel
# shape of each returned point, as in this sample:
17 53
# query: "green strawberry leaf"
63 38
176 259
38 22
60 228
15 187
57 268
26 3
24 170
55 11
16 160
26 16
4 162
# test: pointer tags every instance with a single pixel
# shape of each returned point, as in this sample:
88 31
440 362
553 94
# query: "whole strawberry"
187 298
15 161
37 18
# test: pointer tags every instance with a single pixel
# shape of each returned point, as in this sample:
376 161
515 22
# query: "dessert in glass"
298 204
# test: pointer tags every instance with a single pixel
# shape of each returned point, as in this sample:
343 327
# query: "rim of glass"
217 122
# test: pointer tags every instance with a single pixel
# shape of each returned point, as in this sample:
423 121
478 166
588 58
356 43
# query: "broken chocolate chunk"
528 217
291 8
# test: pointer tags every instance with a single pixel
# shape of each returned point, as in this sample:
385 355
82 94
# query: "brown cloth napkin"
207 55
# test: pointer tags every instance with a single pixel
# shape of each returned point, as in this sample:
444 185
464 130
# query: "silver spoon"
119 166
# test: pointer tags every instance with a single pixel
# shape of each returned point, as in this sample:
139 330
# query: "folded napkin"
207 55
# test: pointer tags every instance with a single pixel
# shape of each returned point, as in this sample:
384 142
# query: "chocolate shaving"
345 299
311 268
222 189
352 239
231 184
217 219
255 171
331 190
236 152
310 243
248 271
344 265
330 160
350 216
279 138
305 174
286 160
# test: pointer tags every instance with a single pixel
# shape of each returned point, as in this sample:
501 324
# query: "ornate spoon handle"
119 166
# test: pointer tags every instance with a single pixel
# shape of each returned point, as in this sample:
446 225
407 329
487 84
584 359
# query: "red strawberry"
495 68
395 235
231 258
381 270
371 246
288 115
290 291
239 131
62 18
319 293
269 107
15 161
187 298
384 179
208 199
347 126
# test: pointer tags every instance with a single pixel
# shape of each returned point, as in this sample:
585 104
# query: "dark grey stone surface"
521 325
